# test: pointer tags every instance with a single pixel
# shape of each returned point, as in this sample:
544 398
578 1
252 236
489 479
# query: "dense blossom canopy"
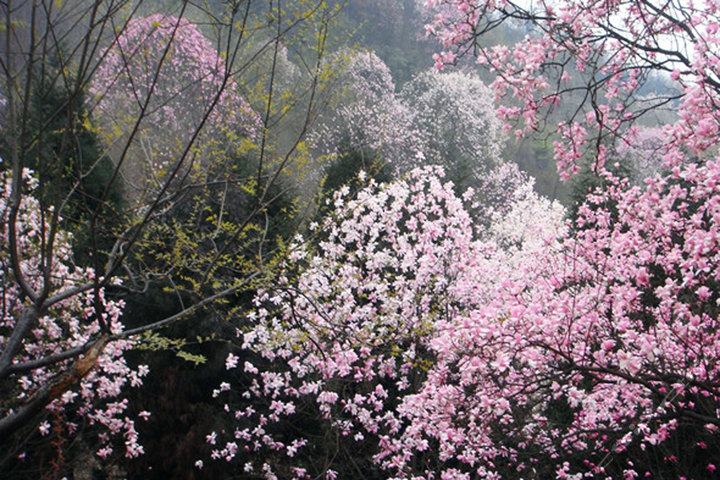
446 332
457 357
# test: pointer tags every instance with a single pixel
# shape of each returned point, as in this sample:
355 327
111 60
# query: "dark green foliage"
535 157
177 392
219 229
73 175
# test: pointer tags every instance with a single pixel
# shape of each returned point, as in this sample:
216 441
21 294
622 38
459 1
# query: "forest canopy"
273 240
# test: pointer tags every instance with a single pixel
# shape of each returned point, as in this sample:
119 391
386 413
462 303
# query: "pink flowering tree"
598 56
161 69
454 115
643 151
38 369
496 191
521 220
355 324
552 352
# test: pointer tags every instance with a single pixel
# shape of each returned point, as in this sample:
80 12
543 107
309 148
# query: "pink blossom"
231 361
44 428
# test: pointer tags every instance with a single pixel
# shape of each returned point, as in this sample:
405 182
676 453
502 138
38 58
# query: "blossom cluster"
367 116
66 324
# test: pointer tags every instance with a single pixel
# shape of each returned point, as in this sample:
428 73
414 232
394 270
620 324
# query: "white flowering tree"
454 114
364 113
